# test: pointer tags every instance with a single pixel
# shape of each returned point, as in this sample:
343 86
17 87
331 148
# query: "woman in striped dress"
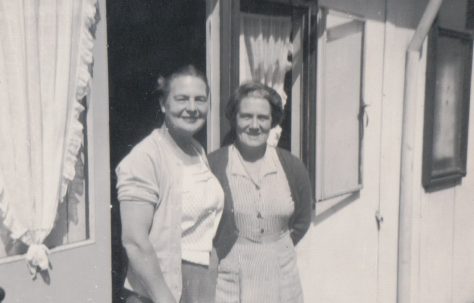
267 207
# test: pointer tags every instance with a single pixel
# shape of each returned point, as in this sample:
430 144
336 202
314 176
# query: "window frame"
453 174
321 99
89 202
303 128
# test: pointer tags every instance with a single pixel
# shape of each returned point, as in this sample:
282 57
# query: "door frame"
222 31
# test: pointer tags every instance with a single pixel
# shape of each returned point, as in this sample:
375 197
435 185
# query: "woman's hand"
165 297
137 218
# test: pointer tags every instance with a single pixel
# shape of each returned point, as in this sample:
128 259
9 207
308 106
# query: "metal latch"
378 218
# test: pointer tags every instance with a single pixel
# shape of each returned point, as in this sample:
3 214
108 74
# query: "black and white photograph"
236 151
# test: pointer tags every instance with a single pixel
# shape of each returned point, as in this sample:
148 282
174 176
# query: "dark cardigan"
301 191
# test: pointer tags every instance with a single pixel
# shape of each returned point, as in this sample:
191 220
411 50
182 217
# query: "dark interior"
146 38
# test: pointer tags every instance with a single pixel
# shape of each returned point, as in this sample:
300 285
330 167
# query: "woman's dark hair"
255 89
252 89
163 83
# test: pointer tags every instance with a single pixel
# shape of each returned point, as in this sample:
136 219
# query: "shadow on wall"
336 205
403 13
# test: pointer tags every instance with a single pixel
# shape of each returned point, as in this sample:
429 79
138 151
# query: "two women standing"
171 204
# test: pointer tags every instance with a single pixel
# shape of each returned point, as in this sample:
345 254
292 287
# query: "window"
280 32
447 101
72 219
43 92
265 55
339 105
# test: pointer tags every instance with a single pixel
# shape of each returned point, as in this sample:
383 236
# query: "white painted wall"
443 229
338 258
401 19
444 260
343 258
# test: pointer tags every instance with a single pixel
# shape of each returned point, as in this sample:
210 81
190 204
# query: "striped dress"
261 267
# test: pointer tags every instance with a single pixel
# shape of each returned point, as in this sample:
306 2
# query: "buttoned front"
267 204
261 265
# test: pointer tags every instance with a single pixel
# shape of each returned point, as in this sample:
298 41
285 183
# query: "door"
80 271
338 257
146 39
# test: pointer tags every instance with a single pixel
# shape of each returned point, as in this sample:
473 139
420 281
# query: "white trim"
65 247
406 222
340 193
213 73
90 167
320 95
297 90
321 124
341 13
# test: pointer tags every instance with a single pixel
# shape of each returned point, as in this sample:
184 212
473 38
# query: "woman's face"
253 122
186 106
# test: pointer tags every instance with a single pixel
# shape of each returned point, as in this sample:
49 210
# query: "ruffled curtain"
264 50
45 64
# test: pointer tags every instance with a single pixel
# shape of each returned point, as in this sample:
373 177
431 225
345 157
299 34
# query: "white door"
81 270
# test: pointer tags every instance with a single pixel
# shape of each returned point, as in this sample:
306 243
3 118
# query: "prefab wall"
351 250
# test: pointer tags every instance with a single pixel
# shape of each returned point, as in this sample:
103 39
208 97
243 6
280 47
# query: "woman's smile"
186 106
253 122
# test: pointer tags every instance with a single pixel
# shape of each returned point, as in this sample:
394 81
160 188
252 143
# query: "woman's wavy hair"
252 89
162 88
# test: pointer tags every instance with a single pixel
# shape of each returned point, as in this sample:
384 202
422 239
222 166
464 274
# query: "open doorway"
146 38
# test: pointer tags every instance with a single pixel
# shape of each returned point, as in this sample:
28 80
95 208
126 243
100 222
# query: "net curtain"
264 50
45 61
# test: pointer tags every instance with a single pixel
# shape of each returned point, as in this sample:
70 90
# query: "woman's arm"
137 218
303 210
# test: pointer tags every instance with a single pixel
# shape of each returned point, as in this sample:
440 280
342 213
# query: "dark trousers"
199 285
127 296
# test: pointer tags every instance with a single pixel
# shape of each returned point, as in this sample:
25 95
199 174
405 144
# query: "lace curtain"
264 49
45 62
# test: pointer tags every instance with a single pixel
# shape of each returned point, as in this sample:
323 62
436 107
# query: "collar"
173 148
236 166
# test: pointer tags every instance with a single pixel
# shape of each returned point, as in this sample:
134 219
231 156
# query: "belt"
263 238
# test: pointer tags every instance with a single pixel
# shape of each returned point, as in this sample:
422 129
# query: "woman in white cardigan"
170 202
